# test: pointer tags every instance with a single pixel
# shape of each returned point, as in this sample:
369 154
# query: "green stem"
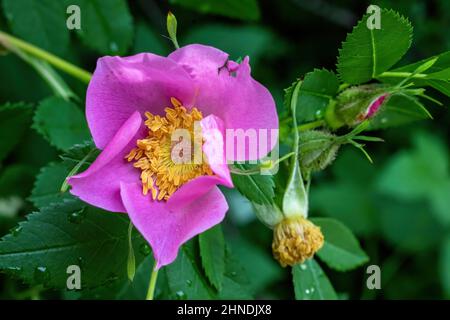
311 125
74 170
343 87
152 284
266 165
401 75
8 40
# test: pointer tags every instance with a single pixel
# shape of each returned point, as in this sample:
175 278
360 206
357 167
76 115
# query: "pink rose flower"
133 104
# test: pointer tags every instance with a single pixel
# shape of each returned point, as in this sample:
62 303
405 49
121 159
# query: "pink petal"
375 105
99 185
229 92
194 189
166 229
120 86
213 133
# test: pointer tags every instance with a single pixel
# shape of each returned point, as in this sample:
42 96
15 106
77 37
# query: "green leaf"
236 283
16 180
442 86
409 225
49 181
445 266
251 255
420 173
437 76
341 250
36 22
398 110
61 122
107 26
349 202
49 75
125 289
14 71
239 9
367 53
185 278
316 91
68 233
15 184
311 283
47 187
348 197
212 251
186 281
78 152
137 289
257 188
14 120
440 70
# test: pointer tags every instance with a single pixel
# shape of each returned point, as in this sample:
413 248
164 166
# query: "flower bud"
296 240
358 103
317 149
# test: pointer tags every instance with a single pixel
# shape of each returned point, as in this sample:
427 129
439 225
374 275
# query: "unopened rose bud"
358 103
317 149
296 240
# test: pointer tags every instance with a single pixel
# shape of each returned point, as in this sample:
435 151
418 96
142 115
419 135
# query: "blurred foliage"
398 206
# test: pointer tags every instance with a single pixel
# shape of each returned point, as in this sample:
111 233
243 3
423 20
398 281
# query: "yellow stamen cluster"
153 155
295 240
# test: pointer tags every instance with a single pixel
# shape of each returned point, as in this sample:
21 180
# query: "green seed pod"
317 150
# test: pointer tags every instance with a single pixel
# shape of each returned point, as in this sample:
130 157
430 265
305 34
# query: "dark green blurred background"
399 207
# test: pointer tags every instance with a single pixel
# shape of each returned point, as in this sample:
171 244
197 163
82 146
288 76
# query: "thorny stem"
7 41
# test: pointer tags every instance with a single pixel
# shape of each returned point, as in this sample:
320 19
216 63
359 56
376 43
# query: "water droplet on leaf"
319 114
14 270
16 231
80 261
42 275
77 216
180 295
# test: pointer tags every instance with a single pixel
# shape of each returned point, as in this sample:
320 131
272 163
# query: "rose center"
162 173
